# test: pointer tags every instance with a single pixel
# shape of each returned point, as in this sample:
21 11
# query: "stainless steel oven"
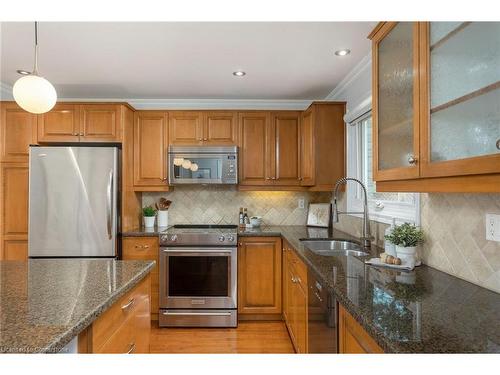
198 284
202 165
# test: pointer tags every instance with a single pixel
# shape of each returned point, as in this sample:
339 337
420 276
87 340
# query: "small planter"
149 221
163 218
408 255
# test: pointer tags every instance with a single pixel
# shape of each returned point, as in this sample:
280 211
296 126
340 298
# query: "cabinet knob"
76 134
498 144
300 178
268 178
81 134
412 160
273 178
205 139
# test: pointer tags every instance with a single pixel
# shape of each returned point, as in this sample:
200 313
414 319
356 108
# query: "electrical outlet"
493 227
301 203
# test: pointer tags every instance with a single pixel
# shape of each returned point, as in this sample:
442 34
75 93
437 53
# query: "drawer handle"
412 160
318 296
142 246
128 304
298 280
498 144
131 349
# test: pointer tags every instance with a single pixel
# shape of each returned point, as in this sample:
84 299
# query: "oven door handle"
207 252
197 313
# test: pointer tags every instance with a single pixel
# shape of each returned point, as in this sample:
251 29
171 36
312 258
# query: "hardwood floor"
249 337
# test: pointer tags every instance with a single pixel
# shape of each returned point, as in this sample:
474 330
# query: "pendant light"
32 92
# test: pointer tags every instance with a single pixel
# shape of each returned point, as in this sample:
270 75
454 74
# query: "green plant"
406 235
148 211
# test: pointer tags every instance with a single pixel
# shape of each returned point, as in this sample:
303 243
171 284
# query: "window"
382 206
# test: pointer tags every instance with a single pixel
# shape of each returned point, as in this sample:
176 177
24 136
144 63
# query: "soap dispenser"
389 247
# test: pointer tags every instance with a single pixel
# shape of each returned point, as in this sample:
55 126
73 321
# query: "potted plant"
149 214
406 238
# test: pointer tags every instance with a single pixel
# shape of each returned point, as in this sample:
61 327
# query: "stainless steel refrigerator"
73 208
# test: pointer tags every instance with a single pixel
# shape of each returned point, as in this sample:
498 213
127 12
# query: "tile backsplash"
455 238
221 204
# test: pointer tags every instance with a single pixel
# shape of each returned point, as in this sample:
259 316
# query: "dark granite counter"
45 303
423 311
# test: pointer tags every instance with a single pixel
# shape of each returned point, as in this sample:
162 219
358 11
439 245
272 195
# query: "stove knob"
230 238
173 238
221 239
164 238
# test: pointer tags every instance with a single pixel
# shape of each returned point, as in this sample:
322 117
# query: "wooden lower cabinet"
145 248
259 278
295 297
124 328
353 339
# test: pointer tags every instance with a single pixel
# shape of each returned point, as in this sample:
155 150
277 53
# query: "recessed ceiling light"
343 52
239 73
23 72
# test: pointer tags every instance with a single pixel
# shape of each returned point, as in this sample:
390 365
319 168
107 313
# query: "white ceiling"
127 60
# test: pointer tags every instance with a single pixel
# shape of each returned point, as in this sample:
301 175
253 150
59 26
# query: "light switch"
493 227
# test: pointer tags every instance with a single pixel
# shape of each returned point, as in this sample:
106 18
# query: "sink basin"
334 248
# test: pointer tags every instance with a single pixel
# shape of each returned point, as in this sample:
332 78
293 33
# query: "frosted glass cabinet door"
463 98
397 117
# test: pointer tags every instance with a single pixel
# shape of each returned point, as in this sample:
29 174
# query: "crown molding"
360 67
5 92
249 104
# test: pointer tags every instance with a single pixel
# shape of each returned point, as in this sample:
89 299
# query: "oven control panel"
199 239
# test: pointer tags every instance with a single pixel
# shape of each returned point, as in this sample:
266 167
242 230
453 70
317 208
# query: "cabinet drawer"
122 340
299 267
140 248
117 314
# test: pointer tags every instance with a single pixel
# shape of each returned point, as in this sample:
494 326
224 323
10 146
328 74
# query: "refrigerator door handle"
109 203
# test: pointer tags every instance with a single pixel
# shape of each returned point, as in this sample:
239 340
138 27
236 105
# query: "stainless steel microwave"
202 165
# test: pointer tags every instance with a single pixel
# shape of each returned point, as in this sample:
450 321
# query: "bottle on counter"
389 247
246 219
241 220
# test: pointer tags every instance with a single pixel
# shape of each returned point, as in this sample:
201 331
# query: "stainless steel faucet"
366 237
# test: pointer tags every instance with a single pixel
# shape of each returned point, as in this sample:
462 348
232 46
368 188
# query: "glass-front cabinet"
395 92
436 106
460 98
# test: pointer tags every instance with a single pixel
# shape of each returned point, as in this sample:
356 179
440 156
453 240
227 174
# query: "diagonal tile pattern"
220 205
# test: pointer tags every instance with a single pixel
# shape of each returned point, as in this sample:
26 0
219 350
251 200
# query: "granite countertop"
423 311
144 232
45 303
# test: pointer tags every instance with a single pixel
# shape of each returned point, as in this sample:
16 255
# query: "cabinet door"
353 339
300 310
307 155
395 102
14 210
17 132
150 150
15 250
60 124
100 123
255 148
285 128
186 128
460 114
291 302
220 128
259 276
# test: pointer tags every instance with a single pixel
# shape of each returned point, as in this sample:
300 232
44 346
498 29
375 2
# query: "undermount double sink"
334 247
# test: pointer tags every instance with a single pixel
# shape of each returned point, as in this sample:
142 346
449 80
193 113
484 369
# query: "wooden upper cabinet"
259 276
220 128
395 98
353 339
307 158
186 128
60 124
150 150
432 109
285 129
459 110
254 154
18 130
100 123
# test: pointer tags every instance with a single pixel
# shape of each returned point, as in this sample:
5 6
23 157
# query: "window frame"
379 210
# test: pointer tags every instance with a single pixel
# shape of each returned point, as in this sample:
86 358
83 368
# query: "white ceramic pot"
162 218
408 255
149 221
255 221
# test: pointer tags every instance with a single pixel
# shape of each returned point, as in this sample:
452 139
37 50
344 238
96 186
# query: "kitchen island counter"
45 303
